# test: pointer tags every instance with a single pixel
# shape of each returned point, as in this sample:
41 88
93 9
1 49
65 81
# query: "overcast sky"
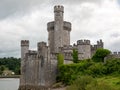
27 19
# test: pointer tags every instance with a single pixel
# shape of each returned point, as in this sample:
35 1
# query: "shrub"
112 66
100 54
75 56
68 73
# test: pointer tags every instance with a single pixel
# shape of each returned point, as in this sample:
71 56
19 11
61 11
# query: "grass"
113 81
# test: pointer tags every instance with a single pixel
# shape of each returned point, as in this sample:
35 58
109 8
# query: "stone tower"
24 50
84 47
58 30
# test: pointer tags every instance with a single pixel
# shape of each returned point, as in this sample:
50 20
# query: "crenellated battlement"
94 47
24 42
115 53
31 54
100 43
67 47
83 42
58 8
42 44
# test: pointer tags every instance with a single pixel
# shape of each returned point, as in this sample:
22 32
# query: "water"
9 83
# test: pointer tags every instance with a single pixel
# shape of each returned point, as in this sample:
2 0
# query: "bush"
112 66
68 73
97 69
75 56
100 54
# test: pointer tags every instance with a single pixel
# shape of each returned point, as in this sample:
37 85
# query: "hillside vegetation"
91 74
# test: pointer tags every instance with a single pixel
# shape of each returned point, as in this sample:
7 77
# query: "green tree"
75 56
2 68
100 54
11 63
60 59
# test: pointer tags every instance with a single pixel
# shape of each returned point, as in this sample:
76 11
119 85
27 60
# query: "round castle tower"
24 48
84 47
58 30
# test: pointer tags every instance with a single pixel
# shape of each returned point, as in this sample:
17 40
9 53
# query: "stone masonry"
39 68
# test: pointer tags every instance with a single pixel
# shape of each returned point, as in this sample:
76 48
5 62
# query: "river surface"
9 83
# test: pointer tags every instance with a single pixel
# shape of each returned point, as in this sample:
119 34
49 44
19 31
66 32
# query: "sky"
27 20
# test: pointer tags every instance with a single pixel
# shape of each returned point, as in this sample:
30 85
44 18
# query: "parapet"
83 42
100 42
94 47
116 53
31 54
58 8
68 47
113 55
67 26
42 44
50 26
24 42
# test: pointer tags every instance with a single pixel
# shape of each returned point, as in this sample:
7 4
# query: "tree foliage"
11 63
75 56
100 54
70 72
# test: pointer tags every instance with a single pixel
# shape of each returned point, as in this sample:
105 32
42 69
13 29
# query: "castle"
39 68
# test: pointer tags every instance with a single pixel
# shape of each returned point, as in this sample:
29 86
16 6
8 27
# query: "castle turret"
84 49
24 48
59 30
58 11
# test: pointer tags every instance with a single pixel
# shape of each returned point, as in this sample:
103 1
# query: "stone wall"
113 55
39 70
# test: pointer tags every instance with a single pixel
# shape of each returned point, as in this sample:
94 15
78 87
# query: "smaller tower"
84 48
24 48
